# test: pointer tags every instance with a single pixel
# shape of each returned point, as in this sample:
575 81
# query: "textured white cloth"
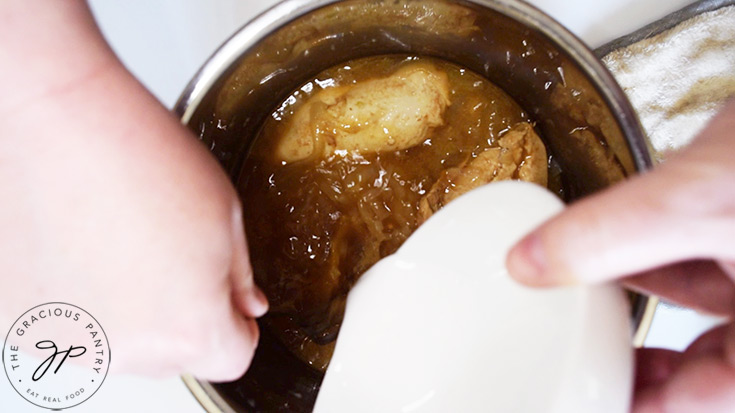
678 79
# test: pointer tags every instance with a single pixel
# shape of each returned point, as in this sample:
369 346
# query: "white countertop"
164 42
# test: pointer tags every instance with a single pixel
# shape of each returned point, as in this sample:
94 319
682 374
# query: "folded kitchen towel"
677 79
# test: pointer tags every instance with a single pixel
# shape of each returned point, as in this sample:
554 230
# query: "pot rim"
282 13
286 11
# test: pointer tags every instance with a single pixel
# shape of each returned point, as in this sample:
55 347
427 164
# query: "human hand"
110 204
670 232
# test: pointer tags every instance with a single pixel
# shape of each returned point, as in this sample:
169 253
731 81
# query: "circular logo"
56 355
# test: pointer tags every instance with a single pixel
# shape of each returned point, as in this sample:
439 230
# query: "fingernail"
526 262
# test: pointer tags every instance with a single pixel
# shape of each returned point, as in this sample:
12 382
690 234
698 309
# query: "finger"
684 210
710 343
229 349
246 296
703 386
655 366
648 400
699 285
704 381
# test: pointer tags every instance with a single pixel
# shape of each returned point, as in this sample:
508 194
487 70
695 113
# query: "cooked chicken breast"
521 155
382 114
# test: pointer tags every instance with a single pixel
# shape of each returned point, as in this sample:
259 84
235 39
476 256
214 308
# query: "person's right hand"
671 232
108 203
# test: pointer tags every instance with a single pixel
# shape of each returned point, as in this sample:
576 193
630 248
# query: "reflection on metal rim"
206 396
644 325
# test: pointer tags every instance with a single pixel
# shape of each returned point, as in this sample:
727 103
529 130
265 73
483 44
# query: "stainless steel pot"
582 114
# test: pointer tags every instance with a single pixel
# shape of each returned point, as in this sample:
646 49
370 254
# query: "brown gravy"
320 217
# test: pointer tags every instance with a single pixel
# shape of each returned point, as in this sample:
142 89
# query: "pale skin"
669 232
108 203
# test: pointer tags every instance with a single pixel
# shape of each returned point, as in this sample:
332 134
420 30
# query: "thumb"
683 210
247 297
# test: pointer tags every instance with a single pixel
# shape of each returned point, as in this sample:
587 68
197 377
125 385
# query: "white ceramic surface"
440 326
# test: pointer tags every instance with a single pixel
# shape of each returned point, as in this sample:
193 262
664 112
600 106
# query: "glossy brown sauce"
315 224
